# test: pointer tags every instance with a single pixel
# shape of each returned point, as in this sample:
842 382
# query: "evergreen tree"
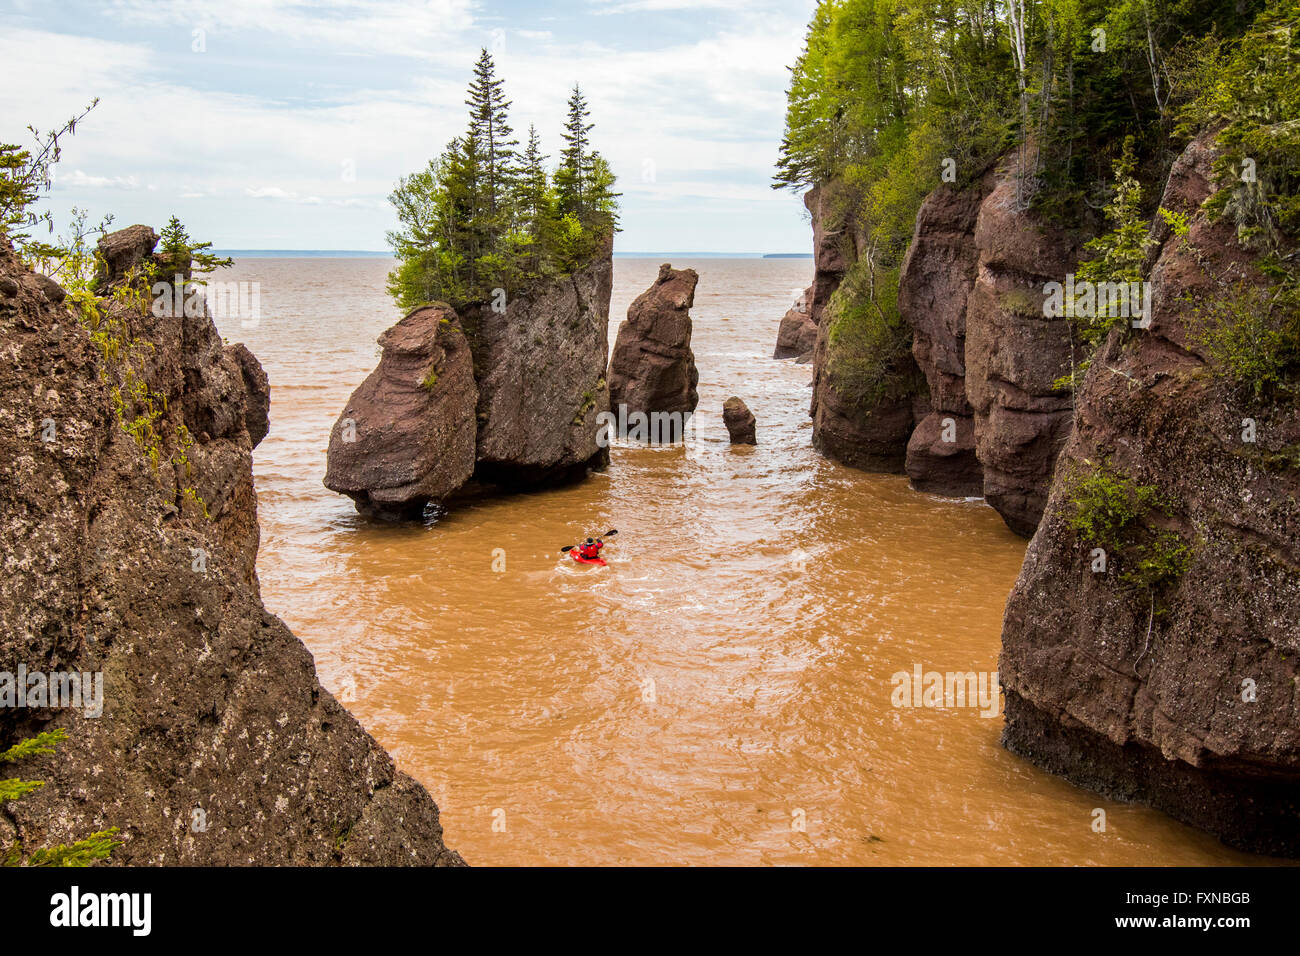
481 216
489 127
572 178
534 203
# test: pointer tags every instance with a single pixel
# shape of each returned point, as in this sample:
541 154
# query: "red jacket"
590 550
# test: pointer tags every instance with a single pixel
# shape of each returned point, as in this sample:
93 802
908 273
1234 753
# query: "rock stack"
652 368
499 395
739 421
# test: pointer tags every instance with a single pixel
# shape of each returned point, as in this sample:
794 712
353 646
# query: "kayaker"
591 549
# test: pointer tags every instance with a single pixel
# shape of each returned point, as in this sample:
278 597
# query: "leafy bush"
869 344
1251 334
1108 510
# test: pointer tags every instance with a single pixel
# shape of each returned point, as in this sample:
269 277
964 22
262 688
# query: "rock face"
124 251
739 421
1014 354
652 368
1179 695
835 246
797 335
871 438
211 707
983 417
938 274
541 379
407 435
507 396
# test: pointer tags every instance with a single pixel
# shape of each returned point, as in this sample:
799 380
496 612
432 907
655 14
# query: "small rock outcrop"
938 274
407 435
130 557
652 368
1167 674
739 421
797 335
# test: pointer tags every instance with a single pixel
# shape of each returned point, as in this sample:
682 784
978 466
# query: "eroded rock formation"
506 396
933 289
652 368
133 558
871 435
407 435
1178 693
540 367
972 410
797 335
739 420
1014 353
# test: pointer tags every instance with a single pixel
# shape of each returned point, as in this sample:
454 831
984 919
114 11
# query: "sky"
284 124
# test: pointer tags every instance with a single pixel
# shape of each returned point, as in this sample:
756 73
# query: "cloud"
77 178
410 28
271 115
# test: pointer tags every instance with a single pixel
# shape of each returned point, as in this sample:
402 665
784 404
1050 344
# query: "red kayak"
582 560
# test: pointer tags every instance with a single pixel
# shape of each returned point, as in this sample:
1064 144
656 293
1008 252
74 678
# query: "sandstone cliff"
933 291
871 434
1014 353
133 557
971 410
1150 646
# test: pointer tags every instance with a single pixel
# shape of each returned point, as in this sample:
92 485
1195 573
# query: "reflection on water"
725 681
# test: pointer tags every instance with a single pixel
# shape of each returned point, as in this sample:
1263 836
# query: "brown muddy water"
720 694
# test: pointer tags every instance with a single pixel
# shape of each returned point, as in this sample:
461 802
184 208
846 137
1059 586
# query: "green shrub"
869 345
1251 334
1108 511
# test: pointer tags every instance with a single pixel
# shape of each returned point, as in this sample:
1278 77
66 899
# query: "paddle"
608 534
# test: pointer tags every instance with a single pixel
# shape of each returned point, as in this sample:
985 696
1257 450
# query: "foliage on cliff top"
482 216
891 98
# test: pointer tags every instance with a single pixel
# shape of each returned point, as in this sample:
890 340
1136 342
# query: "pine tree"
534 202
489 126
571 179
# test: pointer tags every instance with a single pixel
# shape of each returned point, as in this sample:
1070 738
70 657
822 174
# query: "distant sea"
375 254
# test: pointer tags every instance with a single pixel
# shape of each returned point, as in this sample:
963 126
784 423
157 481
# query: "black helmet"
589 541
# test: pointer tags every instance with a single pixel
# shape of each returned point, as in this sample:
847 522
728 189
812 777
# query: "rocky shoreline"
1163 673
130 538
